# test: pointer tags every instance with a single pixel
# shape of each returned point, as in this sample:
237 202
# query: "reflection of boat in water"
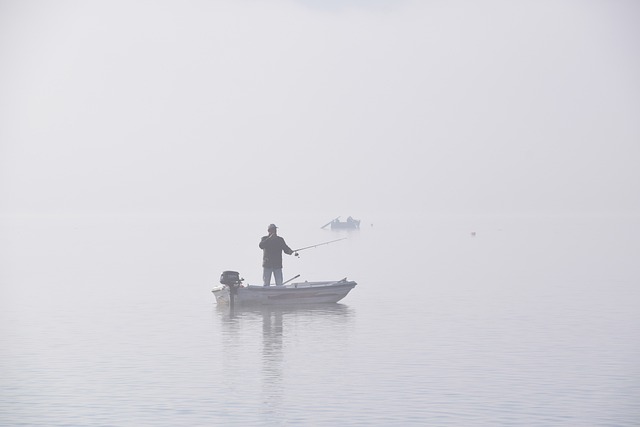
253 312
293 293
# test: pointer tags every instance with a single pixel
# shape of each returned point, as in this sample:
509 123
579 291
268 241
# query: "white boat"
288 294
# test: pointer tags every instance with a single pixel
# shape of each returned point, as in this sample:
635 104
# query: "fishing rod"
335 219
314 246
294 277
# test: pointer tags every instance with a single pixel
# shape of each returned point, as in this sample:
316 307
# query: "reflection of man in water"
272 247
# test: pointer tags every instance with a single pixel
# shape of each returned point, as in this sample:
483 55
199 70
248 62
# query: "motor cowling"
230 278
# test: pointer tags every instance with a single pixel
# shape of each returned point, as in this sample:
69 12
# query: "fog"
146 145
355 107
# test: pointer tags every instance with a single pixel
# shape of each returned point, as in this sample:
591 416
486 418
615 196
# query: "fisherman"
272 247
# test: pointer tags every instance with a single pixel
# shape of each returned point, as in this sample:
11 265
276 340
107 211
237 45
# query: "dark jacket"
272 251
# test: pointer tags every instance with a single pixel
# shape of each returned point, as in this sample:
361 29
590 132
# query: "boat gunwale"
301 286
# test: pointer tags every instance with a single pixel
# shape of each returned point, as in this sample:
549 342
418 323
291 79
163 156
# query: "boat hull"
292 294
353 225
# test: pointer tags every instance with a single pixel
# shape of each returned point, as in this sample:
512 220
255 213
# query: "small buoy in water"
473 234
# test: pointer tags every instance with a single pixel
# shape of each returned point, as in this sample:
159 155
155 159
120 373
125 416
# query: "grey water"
474 321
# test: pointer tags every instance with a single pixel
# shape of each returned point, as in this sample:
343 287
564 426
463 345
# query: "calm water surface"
109 321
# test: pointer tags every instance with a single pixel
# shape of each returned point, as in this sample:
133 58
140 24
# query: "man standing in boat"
272 247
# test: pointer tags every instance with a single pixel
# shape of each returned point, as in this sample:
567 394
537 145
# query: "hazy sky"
349 107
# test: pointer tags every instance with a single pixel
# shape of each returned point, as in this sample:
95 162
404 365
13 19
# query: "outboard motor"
233 281
230 278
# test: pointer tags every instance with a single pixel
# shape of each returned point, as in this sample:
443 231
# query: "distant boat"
349 224
288 294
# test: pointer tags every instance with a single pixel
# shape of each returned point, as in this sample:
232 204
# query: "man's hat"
272 227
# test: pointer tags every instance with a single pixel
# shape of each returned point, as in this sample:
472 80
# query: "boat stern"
221 293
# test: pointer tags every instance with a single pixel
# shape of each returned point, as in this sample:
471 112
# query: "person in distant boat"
272 248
